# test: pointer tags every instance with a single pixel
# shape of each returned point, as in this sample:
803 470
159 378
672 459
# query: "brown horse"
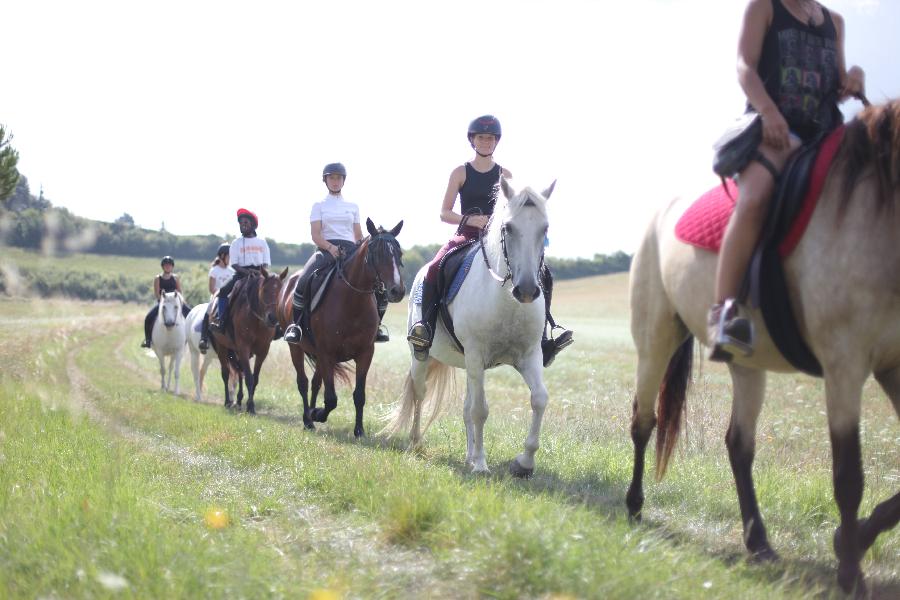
253 323
842 279
345 323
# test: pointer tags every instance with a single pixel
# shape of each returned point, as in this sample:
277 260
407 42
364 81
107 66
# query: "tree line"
32 222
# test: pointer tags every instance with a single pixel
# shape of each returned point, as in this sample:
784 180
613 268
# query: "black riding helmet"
167 259
485 124
334 169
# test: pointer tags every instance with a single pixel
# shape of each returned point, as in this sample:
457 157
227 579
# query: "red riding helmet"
243 212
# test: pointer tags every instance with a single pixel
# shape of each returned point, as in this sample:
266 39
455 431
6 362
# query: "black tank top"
479 191
798 66
167 285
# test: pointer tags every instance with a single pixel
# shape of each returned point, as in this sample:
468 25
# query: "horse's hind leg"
532 373
316 386
418 373
327 374
749 388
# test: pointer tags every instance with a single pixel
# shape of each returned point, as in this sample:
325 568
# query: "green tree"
9 157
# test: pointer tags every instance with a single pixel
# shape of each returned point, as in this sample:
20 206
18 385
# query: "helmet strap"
483 155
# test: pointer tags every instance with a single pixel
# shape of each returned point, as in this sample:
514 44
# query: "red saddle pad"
703 223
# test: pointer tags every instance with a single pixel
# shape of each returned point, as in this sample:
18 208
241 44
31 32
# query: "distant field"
108 485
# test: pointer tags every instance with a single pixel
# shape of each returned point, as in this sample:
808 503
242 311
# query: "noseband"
378 287
487 263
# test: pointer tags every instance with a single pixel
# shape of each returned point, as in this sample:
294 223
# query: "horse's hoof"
229 404
517 470
764 555
359 433
850 578
319 415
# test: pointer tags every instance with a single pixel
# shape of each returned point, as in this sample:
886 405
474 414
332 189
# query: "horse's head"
267 296
518 230
170 308
386 259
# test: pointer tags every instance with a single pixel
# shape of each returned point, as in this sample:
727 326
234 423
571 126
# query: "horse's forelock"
872 140
527 198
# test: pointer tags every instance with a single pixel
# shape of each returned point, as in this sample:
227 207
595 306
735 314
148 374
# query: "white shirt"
338 217
247 252
221 275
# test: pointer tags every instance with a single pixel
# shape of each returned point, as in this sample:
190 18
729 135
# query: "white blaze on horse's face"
524 229
170 309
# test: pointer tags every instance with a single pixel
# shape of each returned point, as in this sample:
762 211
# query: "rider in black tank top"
162 285
478 194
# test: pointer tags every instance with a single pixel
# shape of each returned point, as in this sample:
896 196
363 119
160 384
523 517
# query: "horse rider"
248 251
791 67
163 283
335 229
220 272
477 184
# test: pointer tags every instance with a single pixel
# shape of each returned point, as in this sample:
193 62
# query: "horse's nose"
396 293
526 294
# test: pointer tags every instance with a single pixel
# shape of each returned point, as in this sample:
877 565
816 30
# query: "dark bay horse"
346 321
253 323
843 279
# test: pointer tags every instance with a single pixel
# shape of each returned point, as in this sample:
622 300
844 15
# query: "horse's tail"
440 384
342 371
670 403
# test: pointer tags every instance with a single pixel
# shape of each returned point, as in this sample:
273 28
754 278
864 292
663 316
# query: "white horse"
192 324
496 324
168 338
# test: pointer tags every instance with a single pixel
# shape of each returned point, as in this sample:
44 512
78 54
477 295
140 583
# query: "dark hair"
224 248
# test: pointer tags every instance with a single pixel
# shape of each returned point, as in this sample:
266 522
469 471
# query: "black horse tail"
671 402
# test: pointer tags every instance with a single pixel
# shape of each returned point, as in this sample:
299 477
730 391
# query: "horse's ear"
396 229
283 274
546 193
239 269
370 227
508 191
264 272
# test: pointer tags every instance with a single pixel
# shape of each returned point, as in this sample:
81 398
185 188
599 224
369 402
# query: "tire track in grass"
354 544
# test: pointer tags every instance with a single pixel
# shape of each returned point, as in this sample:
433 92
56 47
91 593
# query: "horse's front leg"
532 371
475 413
843 393
749 388
297 357
225 367
363 362
316 386
261 355
162 372
178 356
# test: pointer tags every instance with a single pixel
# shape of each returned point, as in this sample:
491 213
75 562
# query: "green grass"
367 519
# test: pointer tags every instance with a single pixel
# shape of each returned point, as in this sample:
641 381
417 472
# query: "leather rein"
378 287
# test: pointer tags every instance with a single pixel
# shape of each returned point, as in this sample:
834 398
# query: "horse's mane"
379 247
248 285
872 140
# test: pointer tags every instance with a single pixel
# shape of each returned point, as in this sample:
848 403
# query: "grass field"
109 487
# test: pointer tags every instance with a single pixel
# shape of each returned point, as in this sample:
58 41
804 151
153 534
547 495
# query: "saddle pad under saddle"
703 225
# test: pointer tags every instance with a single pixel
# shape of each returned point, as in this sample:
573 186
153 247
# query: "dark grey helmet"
167 259
485 124
334 168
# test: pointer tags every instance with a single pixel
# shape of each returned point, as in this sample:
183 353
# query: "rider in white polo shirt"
335 228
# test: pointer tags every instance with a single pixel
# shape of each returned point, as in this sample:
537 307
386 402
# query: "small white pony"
192 325
495 322
168 338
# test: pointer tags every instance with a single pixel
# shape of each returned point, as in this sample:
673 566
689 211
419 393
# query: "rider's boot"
148 331
293 334
382 335
552 346
729 333
219 324
203 346
421 333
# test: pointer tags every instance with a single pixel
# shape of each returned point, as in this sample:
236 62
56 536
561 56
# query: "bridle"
378 287
255 302
487 263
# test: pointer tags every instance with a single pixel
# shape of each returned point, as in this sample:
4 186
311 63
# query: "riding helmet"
334 168
167 259
485 124
243 212
224 248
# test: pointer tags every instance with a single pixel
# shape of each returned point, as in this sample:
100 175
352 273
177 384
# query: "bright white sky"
183 111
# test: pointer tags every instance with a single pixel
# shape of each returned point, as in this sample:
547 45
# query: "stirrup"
420 337
732 333
217 326
382 335
293 334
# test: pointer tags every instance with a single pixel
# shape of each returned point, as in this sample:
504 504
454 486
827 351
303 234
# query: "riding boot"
421 334
728 332
148 329
203 346
552 345
382 335
294 333
219 325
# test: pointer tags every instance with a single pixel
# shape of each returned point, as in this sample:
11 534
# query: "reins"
378 286
487 263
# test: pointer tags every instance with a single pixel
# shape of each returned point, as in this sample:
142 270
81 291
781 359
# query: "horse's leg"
261 355
749 387
178 356
302 383
316 386
532 372
363 362
843 394
225 365
195 371
475 413
327 376
249 379
418 372
162 372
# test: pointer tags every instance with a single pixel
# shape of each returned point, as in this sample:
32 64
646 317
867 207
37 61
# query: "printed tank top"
479 192
798 66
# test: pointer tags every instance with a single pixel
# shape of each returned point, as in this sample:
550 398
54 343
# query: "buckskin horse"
842 281
495 323
253 321
345 322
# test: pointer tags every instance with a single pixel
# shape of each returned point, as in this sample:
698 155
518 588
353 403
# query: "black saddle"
447 270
